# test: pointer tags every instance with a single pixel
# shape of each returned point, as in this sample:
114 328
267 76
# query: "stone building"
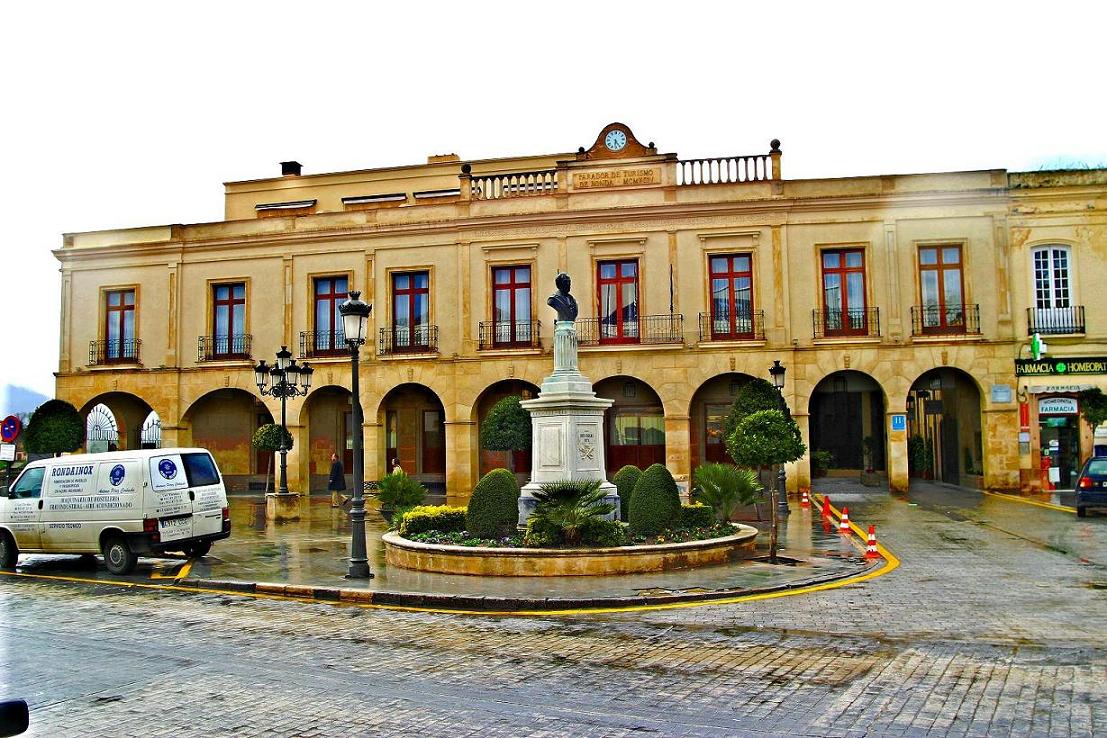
899 305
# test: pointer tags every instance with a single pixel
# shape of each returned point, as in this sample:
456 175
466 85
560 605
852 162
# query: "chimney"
290 168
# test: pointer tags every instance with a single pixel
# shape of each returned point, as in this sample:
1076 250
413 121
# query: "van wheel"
9 552
1081 512
196 550
118 556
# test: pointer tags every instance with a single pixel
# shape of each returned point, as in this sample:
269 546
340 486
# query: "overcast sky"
130 114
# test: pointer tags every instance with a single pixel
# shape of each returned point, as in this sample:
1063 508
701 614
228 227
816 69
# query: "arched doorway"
709 409
329 415
223 421
944 433
634 427
117 420
846 408
151 431
489 460
101 431
414 424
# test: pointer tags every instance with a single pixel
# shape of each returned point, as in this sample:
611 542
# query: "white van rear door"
209 495
170 497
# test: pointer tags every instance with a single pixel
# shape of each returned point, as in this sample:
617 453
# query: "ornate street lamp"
776 371
288 380
355 322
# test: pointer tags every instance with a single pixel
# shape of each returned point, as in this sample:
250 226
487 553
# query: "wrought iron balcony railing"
646 329
834 323
742 326
113 351
419 339
499 334
216 348
314 344
943 320
1055 321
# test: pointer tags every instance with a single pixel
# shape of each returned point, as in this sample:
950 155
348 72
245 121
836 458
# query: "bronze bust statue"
561 301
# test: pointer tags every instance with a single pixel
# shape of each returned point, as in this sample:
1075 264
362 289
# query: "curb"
490 604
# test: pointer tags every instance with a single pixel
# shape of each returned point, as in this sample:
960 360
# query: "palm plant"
567 508
725 488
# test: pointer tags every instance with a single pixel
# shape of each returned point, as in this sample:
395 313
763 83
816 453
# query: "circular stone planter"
560 562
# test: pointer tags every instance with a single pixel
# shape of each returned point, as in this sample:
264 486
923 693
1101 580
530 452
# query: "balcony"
645 329
520 184
223 348
509 335
1055 321
316 344
418 339
114 351
945 320
746 326
864 322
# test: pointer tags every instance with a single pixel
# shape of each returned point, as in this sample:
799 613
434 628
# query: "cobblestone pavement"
992 626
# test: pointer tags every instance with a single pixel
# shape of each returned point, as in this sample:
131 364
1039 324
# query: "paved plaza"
993 625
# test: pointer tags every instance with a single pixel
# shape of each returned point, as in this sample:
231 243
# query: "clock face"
615 140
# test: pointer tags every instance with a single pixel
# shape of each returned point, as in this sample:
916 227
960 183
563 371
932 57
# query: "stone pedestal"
280 507
567 427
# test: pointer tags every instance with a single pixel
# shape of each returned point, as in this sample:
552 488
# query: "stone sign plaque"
551 446
617 178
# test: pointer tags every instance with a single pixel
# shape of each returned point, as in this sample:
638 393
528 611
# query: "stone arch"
412 419
151 431
945 426
845 407
634 427
489 396
223 421
127 410
326 426
707 411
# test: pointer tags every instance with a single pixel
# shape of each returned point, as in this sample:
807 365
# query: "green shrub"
696 515
624 481
724 488
399 491
656 502
565 510
441 518
494 507
754 396
507 427
55 427
822 460
603 533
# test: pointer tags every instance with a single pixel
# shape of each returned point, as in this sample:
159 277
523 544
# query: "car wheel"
9 552
196 550
1081 512
118 556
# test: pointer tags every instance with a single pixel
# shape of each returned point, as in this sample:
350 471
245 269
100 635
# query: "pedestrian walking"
337 483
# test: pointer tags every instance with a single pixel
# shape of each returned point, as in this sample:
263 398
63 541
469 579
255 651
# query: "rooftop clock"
616 142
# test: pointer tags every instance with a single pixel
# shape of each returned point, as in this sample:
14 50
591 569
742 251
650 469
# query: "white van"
121 504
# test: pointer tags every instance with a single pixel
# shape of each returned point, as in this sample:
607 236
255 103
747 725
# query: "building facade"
898 304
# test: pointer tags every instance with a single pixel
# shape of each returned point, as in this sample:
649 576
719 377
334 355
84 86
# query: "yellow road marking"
890 564
1035 503
181 572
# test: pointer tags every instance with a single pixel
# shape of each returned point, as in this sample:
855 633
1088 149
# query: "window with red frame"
511 306
617 291
732 296
844 292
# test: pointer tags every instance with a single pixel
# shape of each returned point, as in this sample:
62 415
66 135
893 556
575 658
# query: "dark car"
1091 486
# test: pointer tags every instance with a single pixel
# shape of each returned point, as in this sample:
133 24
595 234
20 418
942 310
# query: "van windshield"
200 470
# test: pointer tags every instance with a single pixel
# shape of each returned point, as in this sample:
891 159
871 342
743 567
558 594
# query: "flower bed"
457 553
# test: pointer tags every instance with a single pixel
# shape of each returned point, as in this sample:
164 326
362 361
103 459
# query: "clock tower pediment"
616 141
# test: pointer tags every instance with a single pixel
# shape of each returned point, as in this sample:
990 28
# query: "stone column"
373 455
896 461
299 461
460 449
1001 449
799 473
678 451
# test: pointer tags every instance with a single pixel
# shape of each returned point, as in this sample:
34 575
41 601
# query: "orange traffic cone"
870 547
805 501
843 526
826 507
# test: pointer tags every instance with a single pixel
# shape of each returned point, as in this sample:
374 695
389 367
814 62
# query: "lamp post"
777 372
288 380
355 322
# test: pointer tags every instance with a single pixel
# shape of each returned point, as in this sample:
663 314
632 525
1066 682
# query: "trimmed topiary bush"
603 533
656 502
494 507
507 427
624 481
440 518
754 396
697 515
55 427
